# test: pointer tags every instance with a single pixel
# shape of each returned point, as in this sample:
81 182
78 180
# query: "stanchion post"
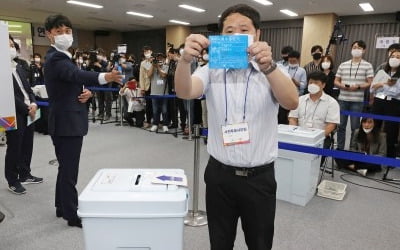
120 110
196 217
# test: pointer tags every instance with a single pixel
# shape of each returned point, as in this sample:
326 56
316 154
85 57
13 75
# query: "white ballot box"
296 173
124 209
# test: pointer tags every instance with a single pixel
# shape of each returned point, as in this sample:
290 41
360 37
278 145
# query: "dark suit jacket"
21 108
64 83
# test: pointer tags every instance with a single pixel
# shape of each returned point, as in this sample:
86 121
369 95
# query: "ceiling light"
14 26
188 7
366 7
15 31
179 22
139 14
263 2
289 12
86 4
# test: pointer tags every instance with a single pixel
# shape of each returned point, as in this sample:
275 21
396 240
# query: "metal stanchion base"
195 219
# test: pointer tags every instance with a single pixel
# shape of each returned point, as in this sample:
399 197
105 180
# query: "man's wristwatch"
271 68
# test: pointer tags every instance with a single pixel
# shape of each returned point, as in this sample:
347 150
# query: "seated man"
317 109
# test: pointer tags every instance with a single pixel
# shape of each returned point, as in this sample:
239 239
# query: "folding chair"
329 143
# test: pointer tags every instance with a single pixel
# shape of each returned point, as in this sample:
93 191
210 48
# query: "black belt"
243 172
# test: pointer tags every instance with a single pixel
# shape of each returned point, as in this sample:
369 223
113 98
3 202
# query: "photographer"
157 74
136 104
104 98
36 70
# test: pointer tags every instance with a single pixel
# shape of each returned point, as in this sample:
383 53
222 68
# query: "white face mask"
37 60
122 60
325 65
63 42
80 60
148 54
313 88
356 52
293 65
367 130
99 57
13 53
394 62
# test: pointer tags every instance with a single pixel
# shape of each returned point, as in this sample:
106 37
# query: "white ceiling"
113 17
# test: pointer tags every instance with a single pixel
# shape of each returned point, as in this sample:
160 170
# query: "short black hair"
394 46
316 47
56 21
37 54
317 76
286 50
360 43
294 54
244 10
146 48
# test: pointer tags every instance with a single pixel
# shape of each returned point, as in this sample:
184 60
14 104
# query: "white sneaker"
362 172
154 128
164 129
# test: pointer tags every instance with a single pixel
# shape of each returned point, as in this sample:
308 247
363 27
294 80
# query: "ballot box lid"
132 193
300 135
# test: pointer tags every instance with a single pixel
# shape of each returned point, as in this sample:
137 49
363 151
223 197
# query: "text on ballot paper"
229 51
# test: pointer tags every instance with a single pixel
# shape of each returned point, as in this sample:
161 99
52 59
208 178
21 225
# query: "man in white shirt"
242 141
316 109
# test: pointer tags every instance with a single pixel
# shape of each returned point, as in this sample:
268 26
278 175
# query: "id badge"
234 134
309 124
160 82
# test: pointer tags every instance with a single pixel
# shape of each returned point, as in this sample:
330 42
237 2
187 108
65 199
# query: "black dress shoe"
59 212
2 216
75 223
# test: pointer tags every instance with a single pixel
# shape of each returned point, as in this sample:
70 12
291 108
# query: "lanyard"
245 97
351 66
294 71
305 109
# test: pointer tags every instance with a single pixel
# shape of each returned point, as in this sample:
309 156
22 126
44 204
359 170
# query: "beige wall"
317 30
176 34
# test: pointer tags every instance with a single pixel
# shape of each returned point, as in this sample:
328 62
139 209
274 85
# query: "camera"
93 56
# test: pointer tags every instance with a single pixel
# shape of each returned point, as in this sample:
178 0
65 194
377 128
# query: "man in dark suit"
20 141
68 117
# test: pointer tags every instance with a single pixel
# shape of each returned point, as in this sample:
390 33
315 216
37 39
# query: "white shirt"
316 114
261 114
15 74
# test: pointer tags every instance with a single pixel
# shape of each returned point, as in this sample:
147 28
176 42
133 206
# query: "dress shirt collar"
63 51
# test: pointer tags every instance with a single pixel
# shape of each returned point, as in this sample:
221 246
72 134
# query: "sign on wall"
7 104
383 42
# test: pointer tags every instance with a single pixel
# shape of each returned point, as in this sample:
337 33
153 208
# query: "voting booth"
296 173
124 209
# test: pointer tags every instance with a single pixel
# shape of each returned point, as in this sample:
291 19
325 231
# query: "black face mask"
317 56
285 58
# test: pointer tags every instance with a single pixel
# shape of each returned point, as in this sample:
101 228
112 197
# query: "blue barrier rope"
340 154
43 104
369 115
103 89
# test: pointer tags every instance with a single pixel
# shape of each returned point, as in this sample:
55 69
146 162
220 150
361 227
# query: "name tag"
160 82
234 134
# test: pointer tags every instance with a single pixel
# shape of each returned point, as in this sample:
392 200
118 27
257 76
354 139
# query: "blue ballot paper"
229 51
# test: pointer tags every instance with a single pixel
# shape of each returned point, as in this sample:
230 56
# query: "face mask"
293 65
181 51
367 130
13 53
99 58
394 62
356 52
122 60
36 60
313 88
326 65
205 57
317 56
80 60
63 42
147 55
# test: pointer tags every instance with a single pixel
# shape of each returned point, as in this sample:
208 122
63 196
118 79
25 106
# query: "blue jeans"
354 121
160 105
